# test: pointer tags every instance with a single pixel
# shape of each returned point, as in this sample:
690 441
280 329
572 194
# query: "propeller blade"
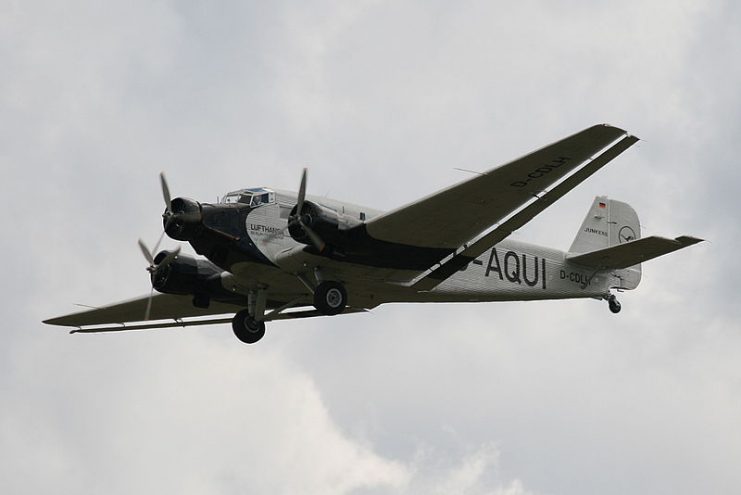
147 254
315 239
301 194
149 305
159 241
166 192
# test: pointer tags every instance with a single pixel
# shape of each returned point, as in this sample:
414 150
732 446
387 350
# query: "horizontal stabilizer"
633 252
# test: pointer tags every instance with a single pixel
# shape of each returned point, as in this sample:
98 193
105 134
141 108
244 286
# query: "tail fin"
610 223
610 239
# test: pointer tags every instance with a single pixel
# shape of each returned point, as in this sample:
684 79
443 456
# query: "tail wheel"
613 303
330 298
246 328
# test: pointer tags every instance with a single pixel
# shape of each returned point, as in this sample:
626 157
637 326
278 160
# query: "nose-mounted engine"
182 219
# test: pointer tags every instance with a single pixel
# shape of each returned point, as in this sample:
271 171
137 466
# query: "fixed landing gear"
613 303
246 328
330 297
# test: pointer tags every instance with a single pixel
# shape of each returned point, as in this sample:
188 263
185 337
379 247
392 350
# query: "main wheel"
246 328
330 298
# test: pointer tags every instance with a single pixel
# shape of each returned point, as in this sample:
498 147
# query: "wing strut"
521 217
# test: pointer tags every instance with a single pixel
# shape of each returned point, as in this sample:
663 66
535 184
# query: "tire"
614 305
330 298
246 328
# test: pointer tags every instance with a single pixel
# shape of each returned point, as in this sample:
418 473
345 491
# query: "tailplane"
610 239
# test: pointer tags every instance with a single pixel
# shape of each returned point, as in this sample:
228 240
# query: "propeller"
154 267
315 239
299 218
168 215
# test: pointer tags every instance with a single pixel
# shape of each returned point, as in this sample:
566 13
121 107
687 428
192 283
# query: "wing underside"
170 311
164 307
517 219
453 216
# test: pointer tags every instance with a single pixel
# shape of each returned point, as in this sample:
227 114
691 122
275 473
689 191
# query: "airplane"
269 254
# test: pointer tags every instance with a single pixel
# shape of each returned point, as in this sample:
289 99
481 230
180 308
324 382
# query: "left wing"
450 217
175 308
164 307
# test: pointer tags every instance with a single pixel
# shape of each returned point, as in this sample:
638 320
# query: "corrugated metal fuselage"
509 271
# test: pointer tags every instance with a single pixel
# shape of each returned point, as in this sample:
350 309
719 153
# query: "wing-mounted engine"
326 224
186 275
316 225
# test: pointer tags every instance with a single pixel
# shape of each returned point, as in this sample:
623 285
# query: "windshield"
253 197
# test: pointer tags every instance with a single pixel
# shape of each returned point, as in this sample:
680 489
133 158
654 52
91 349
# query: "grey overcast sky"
381 100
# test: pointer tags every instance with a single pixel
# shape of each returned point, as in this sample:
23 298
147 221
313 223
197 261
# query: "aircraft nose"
183 219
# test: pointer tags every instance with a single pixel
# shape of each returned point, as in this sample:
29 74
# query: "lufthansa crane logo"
626 234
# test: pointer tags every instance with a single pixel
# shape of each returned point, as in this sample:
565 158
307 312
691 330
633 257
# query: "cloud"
200 417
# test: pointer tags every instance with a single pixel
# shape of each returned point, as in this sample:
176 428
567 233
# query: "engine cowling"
184 221
186 275
329 225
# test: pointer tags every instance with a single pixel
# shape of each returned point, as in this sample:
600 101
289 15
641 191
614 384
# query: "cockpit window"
260 199
253 197
231 198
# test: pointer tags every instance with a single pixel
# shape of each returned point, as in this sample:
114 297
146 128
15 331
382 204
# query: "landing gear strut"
246 328
613 303
330 297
